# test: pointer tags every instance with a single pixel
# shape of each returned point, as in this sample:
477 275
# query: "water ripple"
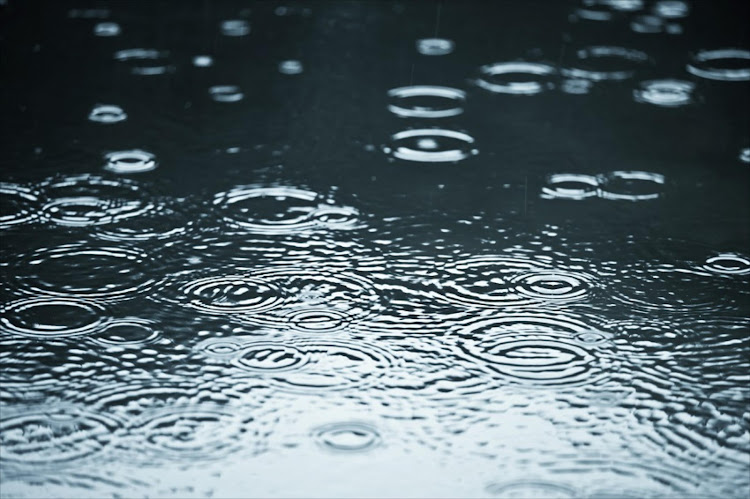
631 185
107 29
20 204
523 489
129 331
107 114
665 93
431 145
570 186
728 64
290 67
131 161
235 27
516 78
728 263
599 63
346 437
51 317
426 101
226 93
435 46
145 62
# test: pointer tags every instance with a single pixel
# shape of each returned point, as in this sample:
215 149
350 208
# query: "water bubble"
570 186
51 317
744 156
729 64
671 9
728 263
264 357
144 62
41 437
226 93
631 185
107 29
231 294
431 145
86 200
132 161
647 24
523 489
599 63
517 78
103 113
235 27
435 46
665 93
426 101
18 204
130 331
290 67
346 437
203 61
553 285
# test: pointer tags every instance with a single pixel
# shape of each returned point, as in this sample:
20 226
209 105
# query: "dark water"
372 249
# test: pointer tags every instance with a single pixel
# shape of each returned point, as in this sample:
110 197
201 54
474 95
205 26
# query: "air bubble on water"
435 46
107 29
104 113
728 64
290 67
235 27
226 93
203 61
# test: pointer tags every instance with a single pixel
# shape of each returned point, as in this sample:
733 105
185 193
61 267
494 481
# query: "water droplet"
107 114
51 317
426 101
235 27
203 61
435 46
516 78
130 331
145 62
531 489
107 29
18 204
347 437
290 67
431 145
226 93
570 186
671 9
728 263
665 93
631 185
132 161
728 64
599 63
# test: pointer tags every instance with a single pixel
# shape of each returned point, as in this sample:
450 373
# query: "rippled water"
380 249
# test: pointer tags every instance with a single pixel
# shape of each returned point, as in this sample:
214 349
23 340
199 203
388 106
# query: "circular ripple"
203 61
86 200
226 93
51 317
346 437
517 78
268 209
18 204
41 437
107 114
224 348
145 62
269 357
431 145
435 46
647 24
132 161
291 67
606 63
232 294
235 27
426 101
728 263
85 270
671 9
728 64
531 489
107 29
631 185
553 285
570 186
316 320
665 93
127 332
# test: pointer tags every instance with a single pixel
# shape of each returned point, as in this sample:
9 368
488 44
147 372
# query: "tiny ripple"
426 101
435 46
570 186
516 78
600 63
727 64
131 161
671 9
290 67
231 294
431 145
51 317
631 185
554 285
144 62
51 437
226 93
665 93
203 61
107 114
107 29
84 200
269 357
728 263
346 437
164 222
235 27
18 204
524 489
129 331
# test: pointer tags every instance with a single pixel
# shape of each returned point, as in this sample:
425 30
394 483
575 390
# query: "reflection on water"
380 249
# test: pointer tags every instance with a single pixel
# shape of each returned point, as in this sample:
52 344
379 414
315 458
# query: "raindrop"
728 263
132 161
599 63
426 101
226 93
570 186
523 489
728 64
290 67
665 93
18 205
107 29
203 61
431 145
346 437
144 62
671 9
107 114
631 185
435 46
517 78
235 27
51 317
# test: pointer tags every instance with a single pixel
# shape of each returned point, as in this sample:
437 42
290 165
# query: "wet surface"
392 249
